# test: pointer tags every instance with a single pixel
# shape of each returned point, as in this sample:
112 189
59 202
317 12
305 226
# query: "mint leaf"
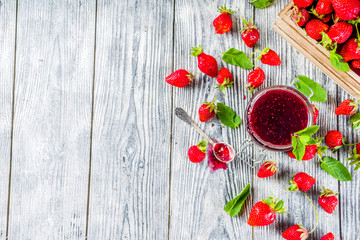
307 140
298 148
305 84
233 207
237 58
261 3
338 62
355 120
227 116
308 131
335 169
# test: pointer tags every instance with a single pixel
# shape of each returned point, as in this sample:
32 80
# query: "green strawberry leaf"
261 3
305 84
233 207
301 139
355 120
338 62
227 116
307 140
298 148
308 131
336 169
237 58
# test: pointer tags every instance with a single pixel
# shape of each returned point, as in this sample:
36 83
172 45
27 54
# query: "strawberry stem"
316 214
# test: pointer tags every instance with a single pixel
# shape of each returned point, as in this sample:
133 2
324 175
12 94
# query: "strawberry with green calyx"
197 153
295 232
355 157
207 111
328 200
255 79
323 17
263 213
223 23
180 78
301 139
328 236
312 150
301 181
347 107
225 79
250 34
324 7
269 57
338 33
267 169
206 63
315 27
300 15
351 49
335 140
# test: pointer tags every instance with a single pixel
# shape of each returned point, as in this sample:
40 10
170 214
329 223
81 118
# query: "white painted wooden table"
90 147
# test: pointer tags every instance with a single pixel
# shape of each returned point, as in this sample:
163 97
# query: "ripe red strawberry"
300 15
316 113
269 57
264 213
351 50
302 182
324 7
339 32
295 232
356 64
267 169
347 107
197 152
310 152
315 27
323 17
334 139
223 22
303 3
358 148
206 63
207 111
180 78
346 9
328 236
225 79
250 34
255 79
328 200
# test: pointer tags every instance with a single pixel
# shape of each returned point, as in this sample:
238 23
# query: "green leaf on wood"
227 116
261 3
338 62
237 58
355 120
305 84
233 207
336 169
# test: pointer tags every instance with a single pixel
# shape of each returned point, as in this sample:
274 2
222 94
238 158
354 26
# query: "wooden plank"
293 65
198 197
7 49
52 119
129 193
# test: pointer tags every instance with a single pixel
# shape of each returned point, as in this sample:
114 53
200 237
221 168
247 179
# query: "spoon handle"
180 113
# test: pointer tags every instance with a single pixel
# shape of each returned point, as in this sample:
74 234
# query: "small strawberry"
339 33
316 113
356 64
206 63
263 213
324 7
329 236
347 107
295 232
267 169
328 200
223 22
250 34
269 57
310 152
334 139
303 3
315 27
207 111
180 78
225 79
346 9
302 182
197 152
300 15
351 49
255 79
355 157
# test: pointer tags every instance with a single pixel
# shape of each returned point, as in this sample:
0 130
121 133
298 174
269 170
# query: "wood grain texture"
300 211
7 49
52 119
197 196
129 196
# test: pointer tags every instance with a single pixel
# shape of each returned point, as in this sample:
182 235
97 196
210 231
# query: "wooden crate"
319 56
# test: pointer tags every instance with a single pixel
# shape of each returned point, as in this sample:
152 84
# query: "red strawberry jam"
223 152
274 114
